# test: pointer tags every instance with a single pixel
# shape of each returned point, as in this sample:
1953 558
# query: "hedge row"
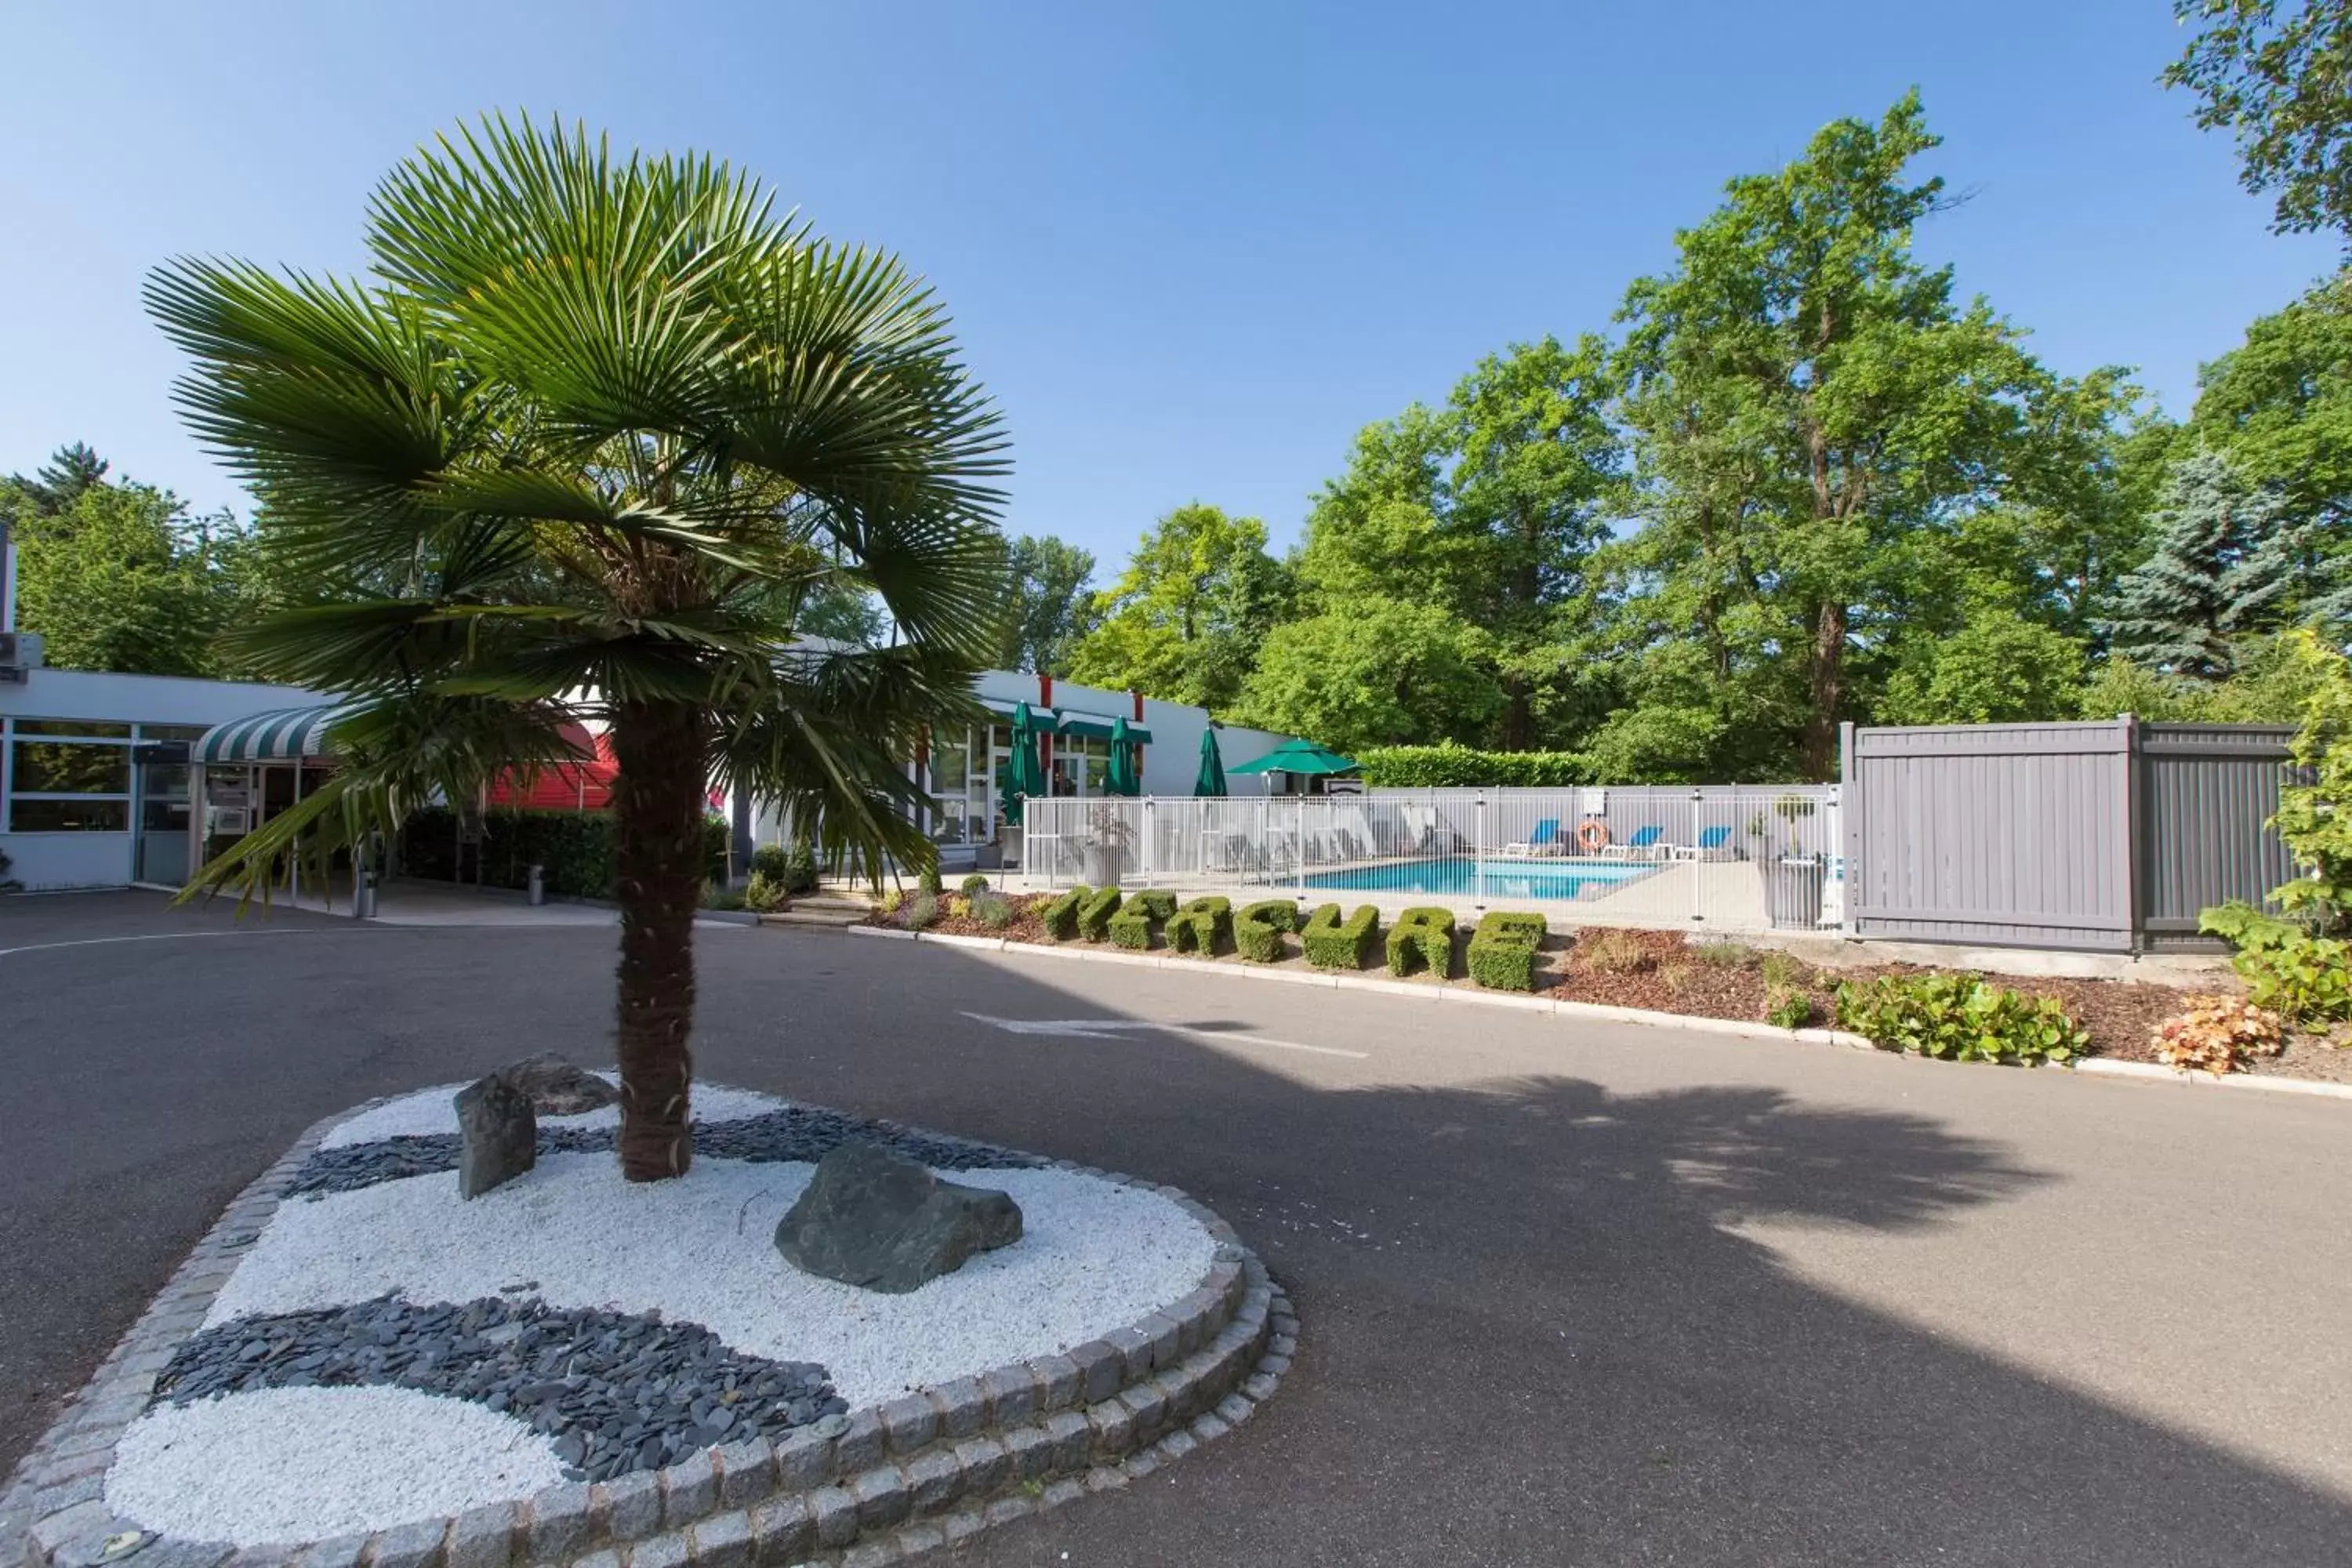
1333 943
1259 929
1204 926
1423 938
1131 927
576 849
1466 767
1502 956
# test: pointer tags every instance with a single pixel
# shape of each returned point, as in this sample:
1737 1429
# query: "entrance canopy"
282 735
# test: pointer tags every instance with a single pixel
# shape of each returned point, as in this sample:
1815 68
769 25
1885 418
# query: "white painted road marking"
1110 1028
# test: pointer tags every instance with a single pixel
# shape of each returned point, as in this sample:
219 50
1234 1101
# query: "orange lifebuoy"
1593 836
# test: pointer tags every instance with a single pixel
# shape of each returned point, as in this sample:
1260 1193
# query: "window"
78 782
190 734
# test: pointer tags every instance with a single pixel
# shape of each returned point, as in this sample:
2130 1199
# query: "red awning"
573 786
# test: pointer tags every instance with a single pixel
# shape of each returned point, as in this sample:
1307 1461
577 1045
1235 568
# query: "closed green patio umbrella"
1210 781
1023 774
1120 777
1298 757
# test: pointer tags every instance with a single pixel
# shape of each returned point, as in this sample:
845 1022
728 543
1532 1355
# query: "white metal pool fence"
1728 858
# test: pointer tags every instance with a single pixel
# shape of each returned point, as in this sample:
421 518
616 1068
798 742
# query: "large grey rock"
498 1135
558 1088
878 1219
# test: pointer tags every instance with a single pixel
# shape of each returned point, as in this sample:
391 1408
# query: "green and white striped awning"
282 735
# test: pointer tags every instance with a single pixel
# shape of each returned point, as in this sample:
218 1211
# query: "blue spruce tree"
2226 562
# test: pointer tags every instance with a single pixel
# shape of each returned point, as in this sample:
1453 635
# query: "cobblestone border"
872 1487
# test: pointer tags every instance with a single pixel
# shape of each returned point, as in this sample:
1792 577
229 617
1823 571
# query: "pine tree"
2226 558
56 484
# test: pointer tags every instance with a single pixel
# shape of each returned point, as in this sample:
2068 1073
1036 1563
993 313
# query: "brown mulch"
1660 972
1028 919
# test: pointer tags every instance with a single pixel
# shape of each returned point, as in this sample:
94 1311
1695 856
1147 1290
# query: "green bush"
1502 954
1422 937
1959 1017
928 879
1333 943
1061 916
1258 929
1788 1006
1094 913
1158 904
2304 979
720 896
1462 767
975 883
992 910
1131 927
763 893
922 911
1204 926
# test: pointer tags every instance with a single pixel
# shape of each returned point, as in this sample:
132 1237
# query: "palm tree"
585 442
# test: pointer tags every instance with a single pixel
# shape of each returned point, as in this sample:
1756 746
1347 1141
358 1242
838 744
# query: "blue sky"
1190 247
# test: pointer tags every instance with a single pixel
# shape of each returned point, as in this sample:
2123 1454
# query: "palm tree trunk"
657 803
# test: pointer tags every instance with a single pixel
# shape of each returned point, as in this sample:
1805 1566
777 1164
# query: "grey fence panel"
2207 794
2014 835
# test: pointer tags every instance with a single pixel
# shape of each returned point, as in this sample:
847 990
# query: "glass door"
163 851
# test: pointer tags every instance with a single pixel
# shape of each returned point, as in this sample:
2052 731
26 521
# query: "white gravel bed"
1094 1256
430 1110
305 1464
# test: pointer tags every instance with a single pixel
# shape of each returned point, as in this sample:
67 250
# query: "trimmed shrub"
992 910
922 911
1258 929
1156 904
1131 927
1094 913
1502 954
1204 926
1061 916
1423 936
2218 1033
975 883
1464 767
1959 1018
1333 943
763 893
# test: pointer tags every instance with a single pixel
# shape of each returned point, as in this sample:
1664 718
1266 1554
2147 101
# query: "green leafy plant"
1095 914
1061 916
975 883
922 911
1421 938
2304 979
1615 952
1258 929
994 911
2218 1033
891 902
1503 950
1788 1006
763 893
1331 943
1959 1018
1204 926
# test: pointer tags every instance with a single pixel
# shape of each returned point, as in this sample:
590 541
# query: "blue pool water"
1505 879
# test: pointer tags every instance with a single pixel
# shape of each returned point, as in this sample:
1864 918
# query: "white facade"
83 801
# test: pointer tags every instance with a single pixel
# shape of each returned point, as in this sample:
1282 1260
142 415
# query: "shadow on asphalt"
1532 1332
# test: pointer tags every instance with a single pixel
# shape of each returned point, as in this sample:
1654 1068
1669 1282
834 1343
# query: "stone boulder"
498 1135
557 1088
878 1219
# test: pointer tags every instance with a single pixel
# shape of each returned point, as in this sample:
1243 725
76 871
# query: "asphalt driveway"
1570 1294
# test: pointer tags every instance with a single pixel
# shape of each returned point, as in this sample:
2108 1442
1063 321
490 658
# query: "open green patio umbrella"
1023 774
1298 757
1120 777
1210 781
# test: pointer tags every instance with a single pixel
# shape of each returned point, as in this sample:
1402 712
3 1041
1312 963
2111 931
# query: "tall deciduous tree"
1185 619
1051 608
2278 77
592 428
2225 560
1808 402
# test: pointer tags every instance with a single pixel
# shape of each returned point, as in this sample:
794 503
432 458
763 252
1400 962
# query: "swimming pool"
1504 879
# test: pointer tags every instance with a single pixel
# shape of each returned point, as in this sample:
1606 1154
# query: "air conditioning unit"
20 655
